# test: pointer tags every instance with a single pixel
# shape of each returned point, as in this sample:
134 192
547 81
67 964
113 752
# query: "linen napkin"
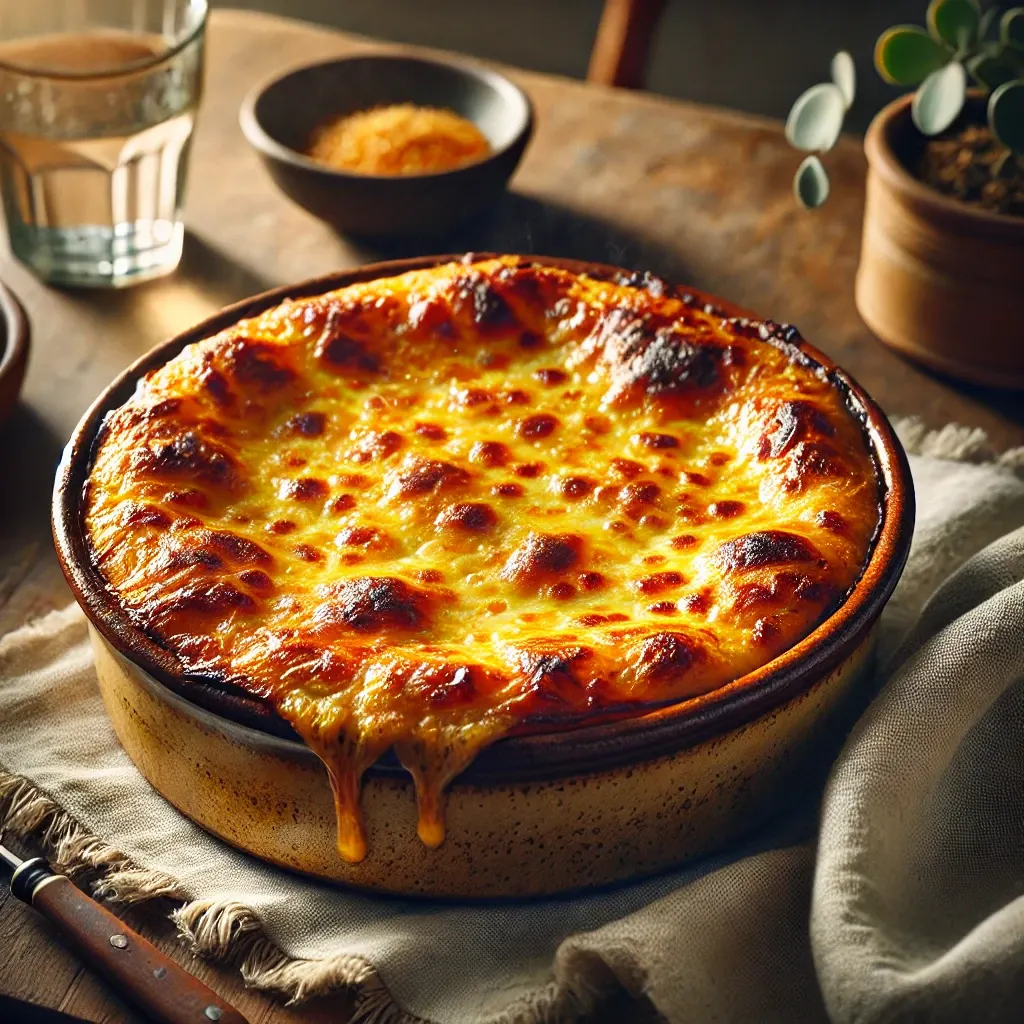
900 897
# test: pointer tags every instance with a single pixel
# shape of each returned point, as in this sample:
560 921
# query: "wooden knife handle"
136 967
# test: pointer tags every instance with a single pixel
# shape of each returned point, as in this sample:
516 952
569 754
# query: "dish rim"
570 748
15 341
263 142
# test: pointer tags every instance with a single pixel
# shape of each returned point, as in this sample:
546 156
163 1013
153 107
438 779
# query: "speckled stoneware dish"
532 814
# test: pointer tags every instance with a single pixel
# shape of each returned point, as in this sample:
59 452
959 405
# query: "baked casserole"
486 498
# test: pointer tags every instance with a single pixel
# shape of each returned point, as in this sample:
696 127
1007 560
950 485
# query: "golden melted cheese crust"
424 512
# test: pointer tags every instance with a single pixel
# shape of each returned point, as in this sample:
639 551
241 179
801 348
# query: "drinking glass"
97 103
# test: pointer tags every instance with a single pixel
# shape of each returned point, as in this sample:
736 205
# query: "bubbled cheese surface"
424 512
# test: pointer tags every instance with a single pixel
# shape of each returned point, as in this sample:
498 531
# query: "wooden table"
699 195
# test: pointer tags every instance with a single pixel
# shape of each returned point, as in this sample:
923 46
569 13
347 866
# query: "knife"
138 970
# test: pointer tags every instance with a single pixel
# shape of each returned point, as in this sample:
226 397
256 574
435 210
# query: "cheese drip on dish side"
426 512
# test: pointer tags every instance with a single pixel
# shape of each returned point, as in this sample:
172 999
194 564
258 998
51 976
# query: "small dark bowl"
278 118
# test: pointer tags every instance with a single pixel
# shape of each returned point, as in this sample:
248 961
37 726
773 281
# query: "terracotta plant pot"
939 281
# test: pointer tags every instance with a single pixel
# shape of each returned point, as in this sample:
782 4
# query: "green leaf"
1011 27
811 184
907 55
953 22
988 19
939 100
844 74
991 71
816 119
1006 114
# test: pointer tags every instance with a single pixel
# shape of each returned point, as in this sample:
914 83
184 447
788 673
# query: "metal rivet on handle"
159 973
119 941
213 1013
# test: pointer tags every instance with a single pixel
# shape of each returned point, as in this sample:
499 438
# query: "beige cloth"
914 886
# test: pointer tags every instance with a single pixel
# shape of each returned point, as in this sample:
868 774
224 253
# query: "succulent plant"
961 44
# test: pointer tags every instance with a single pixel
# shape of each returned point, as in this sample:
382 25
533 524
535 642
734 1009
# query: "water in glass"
95 124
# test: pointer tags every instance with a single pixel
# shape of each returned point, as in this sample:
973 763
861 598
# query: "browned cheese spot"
664 656
342 503
430 431
831 521
590 580
636 498
306 488
765 548
655 441
489 453
238 549
215 597
535 427
812 459
658 362
659 582
307 424
683 541
695 604
470 398
216 385
376 446
256 579
726 509
188 455
445 686
576 487
308 553
468 516
551 377
165 407
426 476
553 668
372 604
257 364
766 632
663 608
282 526
541 557
793 421
627 469
135 514
507 490
489 311
343 353
367 537
528 470
188 497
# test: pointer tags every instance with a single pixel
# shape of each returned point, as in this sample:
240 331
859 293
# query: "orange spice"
397 140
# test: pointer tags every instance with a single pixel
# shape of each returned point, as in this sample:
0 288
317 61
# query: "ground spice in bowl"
396 140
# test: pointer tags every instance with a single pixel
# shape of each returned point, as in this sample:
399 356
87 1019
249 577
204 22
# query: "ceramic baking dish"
533 814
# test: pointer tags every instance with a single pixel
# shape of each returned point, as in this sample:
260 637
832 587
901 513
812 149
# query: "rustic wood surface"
696 194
